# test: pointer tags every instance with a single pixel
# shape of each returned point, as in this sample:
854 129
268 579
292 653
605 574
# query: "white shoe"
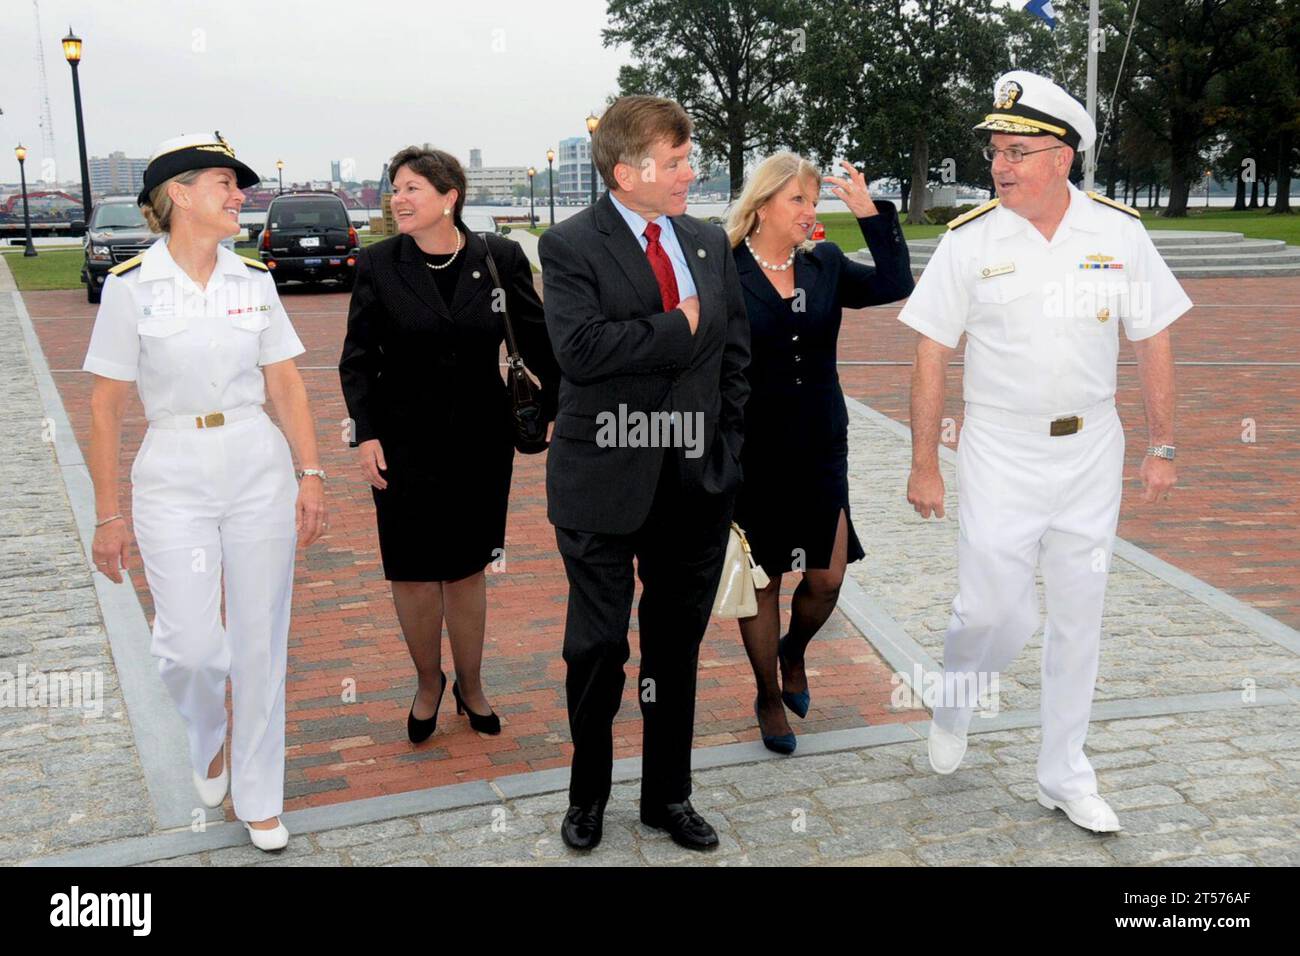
946 750
275 839
1090 812
212 790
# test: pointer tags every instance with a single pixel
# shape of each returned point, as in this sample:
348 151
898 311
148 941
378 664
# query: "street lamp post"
72 53
21 152
279 168
592 122
1207 189
532 217
550 180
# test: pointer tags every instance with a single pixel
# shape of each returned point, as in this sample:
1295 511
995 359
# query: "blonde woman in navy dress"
794 503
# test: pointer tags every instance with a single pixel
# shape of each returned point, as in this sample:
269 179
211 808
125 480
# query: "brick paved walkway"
344 627
1199 772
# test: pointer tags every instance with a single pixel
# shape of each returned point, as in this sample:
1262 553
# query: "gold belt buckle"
211 420
1066 426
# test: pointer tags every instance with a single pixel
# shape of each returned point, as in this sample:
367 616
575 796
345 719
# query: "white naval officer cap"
193 151
1032 105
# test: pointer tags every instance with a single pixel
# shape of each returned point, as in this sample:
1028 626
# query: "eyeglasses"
1014 154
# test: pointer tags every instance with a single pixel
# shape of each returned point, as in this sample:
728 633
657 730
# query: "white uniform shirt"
1041 318
192 351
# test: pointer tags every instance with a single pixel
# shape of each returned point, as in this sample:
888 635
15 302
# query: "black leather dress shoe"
583 826
684 825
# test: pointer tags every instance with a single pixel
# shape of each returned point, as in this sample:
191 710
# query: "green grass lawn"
49 269
60 268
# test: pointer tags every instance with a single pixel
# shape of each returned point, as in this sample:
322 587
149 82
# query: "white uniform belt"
207 420
1054 425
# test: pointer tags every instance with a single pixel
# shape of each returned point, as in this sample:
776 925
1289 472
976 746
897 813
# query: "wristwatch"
1161 451
318 472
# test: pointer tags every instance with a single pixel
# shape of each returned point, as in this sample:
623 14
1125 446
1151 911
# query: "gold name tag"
989 272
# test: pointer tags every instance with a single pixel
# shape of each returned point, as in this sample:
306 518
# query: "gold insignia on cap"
1006 95
1103 314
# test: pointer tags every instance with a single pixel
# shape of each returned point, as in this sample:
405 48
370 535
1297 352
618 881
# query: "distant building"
116 174
573 168
334 171
476 159
494 181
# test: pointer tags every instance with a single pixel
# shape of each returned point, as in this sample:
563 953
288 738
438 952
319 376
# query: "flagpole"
1090 157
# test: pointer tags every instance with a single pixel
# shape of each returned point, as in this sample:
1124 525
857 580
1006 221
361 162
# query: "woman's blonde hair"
158 210
766 181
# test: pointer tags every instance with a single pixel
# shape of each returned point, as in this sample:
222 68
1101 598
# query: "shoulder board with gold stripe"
256 264
127 266
973 214
1107 201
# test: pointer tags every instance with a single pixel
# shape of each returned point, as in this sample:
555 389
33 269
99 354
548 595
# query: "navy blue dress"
795 455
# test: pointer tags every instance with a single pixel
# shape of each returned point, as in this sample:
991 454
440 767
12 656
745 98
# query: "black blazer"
424 375
793 372
616 346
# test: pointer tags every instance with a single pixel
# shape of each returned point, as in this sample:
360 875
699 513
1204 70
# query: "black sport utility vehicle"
309 236
117 232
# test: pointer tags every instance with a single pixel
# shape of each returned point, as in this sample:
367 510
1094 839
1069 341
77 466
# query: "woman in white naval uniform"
213 492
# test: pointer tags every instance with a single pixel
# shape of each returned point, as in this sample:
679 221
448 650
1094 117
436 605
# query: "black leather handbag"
527 414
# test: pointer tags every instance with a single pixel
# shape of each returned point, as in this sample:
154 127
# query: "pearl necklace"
453 255
767 265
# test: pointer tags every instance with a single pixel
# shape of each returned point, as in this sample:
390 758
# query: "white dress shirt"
1041 317
667 238
192 351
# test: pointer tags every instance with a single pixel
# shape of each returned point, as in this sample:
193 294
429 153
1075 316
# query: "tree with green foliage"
730 63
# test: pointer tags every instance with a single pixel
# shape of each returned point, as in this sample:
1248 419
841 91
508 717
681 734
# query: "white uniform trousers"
211 503
1027 499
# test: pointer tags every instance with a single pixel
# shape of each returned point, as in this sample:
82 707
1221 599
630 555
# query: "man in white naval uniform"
1038 279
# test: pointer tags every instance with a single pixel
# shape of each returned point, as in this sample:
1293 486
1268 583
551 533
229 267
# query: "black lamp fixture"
592 122
21 152
72 53
532 216
550 180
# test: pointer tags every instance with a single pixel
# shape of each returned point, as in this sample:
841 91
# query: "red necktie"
663 269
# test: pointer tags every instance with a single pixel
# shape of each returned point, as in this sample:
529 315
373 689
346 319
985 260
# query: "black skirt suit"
795 456
421 372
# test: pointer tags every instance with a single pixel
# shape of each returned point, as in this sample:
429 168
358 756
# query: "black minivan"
308 236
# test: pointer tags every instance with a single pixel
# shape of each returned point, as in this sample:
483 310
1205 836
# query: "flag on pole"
1043 10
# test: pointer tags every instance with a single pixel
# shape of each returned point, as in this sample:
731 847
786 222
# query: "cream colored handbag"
741 577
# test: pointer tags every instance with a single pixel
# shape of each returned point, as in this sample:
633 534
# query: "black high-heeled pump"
418 731
489 724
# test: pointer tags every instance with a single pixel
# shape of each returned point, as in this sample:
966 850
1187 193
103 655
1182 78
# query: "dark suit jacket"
793 371
615 345
424 375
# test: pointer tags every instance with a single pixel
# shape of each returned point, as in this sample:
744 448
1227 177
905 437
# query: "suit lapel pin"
476 273
701 253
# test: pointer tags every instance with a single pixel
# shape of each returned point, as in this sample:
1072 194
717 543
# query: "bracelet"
318 472
99 524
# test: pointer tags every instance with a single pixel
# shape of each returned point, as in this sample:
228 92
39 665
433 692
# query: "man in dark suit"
647 319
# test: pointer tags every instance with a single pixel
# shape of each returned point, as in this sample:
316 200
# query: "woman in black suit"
794 503
422 379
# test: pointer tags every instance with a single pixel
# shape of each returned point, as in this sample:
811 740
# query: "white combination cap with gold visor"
1027 104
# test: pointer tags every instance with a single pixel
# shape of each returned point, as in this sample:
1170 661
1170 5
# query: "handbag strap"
513 358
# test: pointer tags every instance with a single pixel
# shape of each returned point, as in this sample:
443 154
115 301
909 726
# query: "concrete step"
1190 254
1283 257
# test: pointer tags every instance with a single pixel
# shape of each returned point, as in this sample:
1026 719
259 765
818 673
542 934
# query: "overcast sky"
307 81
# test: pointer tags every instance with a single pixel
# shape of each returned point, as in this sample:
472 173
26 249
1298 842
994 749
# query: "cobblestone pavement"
1214 788
70 774
1196 731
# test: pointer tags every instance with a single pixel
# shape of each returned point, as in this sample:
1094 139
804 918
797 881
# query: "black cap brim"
171 164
